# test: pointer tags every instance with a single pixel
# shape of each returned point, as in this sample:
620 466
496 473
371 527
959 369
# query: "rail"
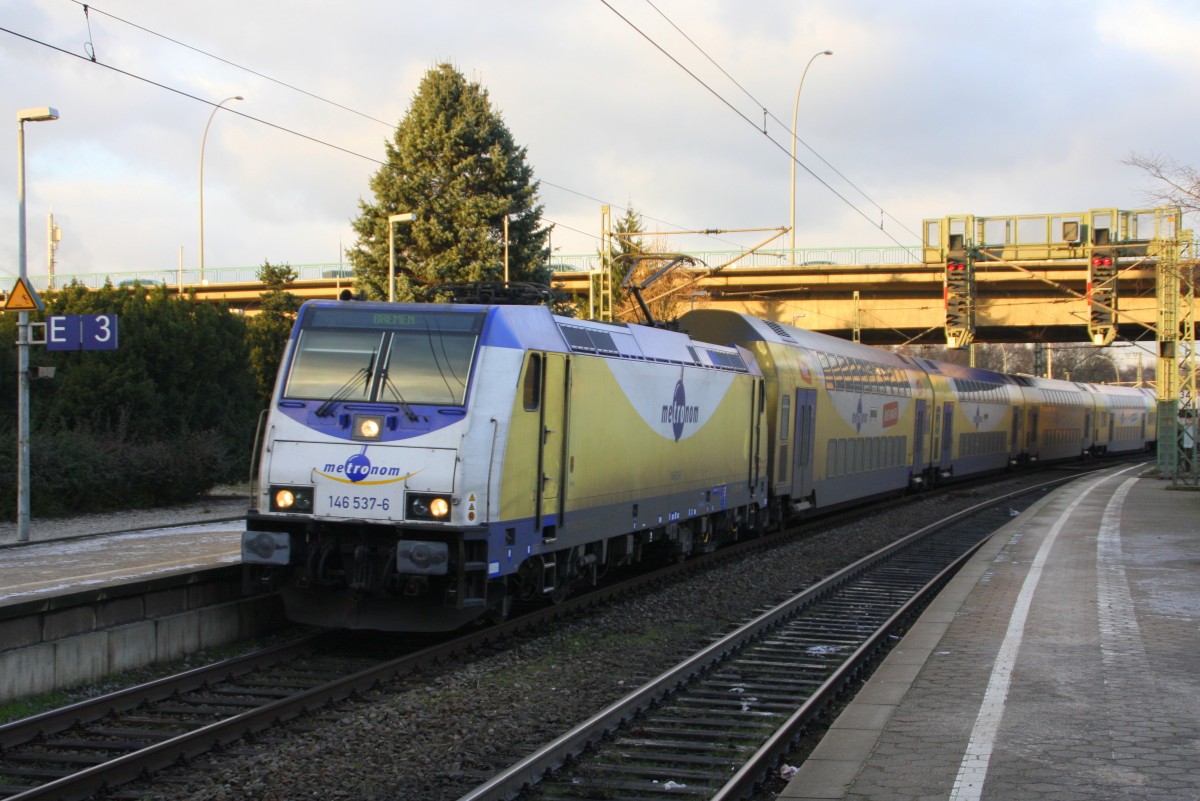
788 663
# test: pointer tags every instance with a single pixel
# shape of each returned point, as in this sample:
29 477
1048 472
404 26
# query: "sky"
680 109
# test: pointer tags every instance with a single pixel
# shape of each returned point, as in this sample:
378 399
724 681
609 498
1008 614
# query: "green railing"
781 258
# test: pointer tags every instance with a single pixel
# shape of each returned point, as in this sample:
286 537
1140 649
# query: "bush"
83 472
160 420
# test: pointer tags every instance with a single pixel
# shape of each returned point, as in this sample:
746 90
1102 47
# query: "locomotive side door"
806 426
758 406
551 497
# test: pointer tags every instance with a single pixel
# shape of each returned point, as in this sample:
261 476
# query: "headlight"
426 506
367 426
291 499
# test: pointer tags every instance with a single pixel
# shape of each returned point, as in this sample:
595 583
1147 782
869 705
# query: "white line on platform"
972 772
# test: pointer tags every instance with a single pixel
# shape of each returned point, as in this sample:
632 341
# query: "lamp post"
506 250
43 114
203 140
407 216
795 118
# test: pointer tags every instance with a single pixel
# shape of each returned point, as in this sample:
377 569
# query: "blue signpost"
81 332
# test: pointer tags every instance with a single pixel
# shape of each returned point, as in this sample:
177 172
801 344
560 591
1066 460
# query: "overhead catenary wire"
316 140
190 96
751 122
91 7
89 49
91 56
768 112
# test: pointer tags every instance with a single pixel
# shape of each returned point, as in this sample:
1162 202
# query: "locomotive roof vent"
780 330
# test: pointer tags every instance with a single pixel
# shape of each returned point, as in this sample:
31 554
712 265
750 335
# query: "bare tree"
669 296
1174 184
1084 363
1002 358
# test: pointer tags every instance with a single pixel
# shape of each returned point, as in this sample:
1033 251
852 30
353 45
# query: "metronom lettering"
362 470
679 413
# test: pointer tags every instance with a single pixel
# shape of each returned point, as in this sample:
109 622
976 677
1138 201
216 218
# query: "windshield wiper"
346 389
391 387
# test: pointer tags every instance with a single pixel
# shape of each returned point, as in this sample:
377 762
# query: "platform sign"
81 332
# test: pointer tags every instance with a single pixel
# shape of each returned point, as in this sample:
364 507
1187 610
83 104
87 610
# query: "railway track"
81 750
716 725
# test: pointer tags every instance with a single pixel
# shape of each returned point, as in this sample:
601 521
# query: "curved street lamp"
204 139
795 116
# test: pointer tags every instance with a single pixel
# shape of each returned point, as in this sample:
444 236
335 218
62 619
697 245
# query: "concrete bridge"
1032 280
885 303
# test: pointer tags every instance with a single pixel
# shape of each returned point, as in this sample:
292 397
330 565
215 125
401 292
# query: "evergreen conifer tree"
453 163
267 332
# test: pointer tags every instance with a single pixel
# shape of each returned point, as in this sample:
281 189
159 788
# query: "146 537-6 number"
359 502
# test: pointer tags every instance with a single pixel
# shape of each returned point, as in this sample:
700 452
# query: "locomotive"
424 465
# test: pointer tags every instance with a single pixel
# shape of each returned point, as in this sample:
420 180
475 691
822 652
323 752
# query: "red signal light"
1102 261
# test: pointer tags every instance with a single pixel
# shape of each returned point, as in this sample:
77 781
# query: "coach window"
533 382
785 417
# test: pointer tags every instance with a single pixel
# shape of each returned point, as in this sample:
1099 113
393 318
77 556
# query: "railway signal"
960 300
1102 296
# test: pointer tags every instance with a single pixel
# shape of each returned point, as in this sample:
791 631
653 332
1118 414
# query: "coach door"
806 415
919 439
552 445
947 435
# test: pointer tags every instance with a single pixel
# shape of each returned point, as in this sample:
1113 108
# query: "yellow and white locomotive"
425 465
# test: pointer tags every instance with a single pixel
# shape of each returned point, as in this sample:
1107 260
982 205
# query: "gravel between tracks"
435 736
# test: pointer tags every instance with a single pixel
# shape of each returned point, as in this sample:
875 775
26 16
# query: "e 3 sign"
81 332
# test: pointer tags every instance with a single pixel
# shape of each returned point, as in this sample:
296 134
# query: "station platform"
1060 663
43 569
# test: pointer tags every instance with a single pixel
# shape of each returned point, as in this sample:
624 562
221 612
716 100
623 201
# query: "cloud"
925 109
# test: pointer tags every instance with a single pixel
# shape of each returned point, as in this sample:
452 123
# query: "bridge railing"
773 257
782 258
188 277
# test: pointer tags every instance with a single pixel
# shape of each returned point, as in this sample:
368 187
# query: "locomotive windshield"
409 357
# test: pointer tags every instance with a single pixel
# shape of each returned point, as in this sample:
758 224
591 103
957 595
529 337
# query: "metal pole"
203 140
795 118
22 353
33 115
408 216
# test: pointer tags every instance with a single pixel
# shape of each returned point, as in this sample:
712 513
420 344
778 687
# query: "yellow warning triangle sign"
23 298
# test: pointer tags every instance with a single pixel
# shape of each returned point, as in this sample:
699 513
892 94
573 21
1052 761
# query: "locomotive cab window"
387 357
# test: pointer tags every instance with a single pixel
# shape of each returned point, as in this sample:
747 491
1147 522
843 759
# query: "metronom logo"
678 413
358 468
